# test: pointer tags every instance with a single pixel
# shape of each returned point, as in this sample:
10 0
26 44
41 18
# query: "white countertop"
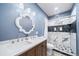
11 49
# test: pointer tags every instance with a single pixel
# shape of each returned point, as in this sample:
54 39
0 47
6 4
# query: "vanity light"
36 32
20 8
28 10
33 14
21 5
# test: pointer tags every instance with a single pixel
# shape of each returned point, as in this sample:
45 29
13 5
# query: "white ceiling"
55 8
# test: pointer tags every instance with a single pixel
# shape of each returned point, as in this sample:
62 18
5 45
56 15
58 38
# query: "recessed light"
56 8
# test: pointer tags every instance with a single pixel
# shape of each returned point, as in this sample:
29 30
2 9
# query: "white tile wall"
63 41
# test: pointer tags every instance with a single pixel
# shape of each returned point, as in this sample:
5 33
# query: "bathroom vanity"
25 47
38 50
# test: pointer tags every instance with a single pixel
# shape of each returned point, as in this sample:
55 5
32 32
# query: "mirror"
25 22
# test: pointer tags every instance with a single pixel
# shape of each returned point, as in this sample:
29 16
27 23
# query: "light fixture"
20 8
60 28
54 28
56 8
21 5
56 11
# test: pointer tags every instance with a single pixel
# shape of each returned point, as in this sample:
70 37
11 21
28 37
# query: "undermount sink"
19 45
21 42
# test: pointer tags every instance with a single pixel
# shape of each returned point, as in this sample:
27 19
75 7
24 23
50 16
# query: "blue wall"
8 14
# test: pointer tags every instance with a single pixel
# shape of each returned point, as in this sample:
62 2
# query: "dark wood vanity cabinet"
39 50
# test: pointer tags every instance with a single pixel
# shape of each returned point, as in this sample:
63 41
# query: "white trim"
46 28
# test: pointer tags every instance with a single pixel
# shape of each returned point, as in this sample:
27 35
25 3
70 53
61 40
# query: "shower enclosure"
62 35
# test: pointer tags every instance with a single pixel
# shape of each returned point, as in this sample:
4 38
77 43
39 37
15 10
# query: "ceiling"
55 8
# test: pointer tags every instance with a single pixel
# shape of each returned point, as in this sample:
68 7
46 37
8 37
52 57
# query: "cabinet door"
31 52
44 48
41 49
